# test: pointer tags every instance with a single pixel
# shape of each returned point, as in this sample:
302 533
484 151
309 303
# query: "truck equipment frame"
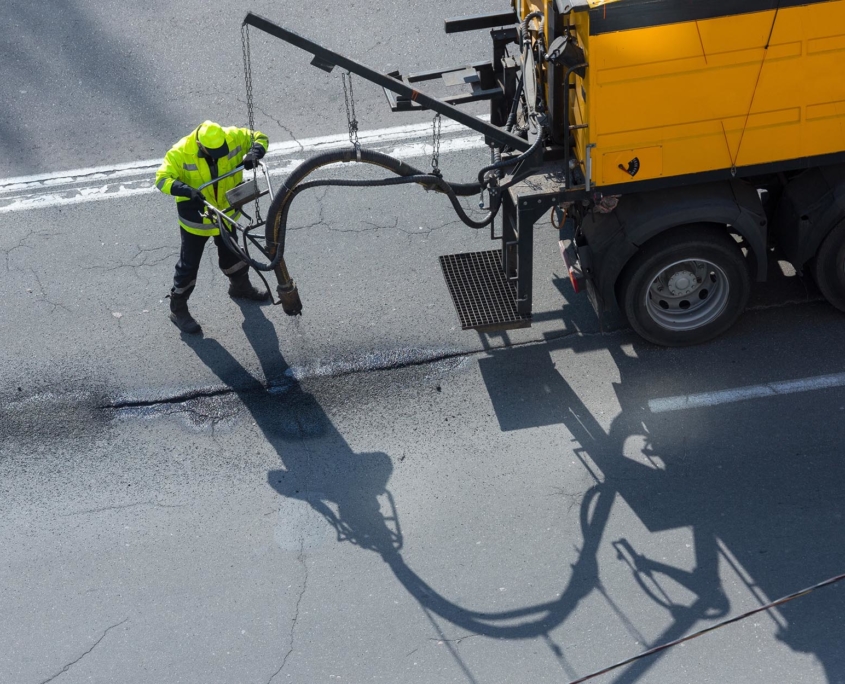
667 138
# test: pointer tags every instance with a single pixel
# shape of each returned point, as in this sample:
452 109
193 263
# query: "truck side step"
482 295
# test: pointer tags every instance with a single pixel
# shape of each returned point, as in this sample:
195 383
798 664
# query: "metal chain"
248 77
250 108
351 119
435 154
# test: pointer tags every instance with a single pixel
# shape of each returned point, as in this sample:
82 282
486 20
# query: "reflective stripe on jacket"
183 163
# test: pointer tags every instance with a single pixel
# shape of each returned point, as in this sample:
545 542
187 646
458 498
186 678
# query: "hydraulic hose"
528 71
426 179
277 216
527 20
511 122
510 162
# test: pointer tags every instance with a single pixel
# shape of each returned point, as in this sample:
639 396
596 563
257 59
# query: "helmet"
212 140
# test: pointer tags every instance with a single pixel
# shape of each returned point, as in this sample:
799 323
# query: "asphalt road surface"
367 493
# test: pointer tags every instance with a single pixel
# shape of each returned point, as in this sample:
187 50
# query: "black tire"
694 309
828 268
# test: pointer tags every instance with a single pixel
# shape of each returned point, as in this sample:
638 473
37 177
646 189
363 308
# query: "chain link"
248 77
349 99
435 145
250 108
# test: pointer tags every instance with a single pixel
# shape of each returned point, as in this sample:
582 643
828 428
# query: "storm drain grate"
484 298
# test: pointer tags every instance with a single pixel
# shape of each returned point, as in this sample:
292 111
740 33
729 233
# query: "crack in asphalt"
321 220
44 297
21 244
145 260
74 662
164 401
278 123
374 227
453 641
427 232
169 408
320 211
120 507
424 360
302 562
383 43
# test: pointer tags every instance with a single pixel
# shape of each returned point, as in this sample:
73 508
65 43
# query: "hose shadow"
680 473
739 477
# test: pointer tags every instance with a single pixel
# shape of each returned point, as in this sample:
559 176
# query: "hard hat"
212 140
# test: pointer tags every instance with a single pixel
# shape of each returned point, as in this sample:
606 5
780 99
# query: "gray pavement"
93 82
368 493
476 519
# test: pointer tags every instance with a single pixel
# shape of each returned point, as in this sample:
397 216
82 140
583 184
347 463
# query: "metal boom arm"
327 56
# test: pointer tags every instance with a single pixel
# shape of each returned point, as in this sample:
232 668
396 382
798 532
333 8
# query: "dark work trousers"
189 261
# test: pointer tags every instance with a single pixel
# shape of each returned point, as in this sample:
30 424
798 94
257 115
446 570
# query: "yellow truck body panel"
681 99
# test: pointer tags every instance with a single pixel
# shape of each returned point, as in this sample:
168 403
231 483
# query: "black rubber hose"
498 164
277 216
496 152
528 18
510 162
424 179
511 122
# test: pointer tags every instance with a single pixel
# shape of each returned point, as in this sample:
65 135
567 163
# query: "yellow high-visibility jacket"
183 163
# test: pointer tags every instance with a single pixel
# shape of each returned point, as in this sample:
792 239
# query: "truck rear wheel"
828 267
685 287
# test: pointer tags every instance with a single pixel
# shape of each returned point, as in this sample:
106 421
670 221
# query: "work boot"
180 315
241 288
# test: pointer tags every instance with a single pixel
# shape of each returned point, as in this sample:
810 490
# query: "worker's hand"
253 156
197 201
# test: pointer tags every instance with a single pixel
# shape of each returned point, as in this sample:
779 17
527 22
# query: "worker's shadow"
348 489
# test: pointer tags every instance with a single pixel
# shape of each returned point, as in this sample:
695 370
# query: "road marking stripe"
69 194
308 146
730 396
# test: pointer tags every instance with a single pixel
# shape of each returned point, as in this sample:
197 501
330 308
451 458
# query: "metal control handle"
219 178
264 170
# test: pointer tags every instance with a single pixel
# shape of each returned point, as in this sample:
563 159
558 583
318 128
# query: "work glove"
251 159
180 189
197 200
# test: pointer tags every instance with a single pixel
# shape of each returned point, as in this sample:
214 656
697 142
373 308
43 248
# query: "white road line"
115 187
730 396
376 138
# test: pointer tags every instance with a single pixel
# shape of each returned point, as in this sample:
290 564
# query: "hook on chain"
435 145
351 118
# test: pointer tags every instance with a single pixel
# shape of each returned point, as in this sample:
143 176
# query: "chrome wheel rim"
688 295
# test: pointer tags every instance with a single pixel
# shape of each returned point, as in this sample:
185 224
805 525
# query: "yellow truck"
675 142
687 110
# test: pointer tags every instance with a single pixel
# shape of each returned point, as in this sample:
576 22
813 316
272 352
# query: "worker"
208 152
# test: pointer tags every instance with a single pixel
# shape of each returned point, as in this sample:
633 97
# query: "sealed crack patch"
197 413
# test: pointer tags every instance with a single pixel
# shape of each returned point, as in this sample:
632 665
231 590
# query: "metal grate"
484 298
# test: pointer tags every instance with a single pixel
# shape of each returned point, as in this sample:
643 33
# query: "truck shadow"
759 486
763 497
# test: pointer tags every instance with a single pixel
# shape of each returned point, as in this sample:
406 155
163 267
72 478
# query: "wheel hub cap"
682 283
688 295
